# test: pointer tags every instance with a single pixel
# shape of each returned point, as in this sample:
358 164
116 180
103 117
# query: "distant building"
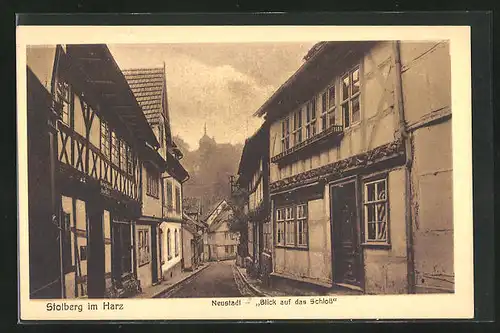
361 168
220 243
192 242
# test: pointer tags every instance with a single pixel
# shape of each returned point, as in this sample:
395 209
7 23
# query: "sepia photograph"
300 173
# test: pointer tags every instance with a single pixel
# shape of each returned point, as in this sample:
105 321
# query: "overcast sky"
220 84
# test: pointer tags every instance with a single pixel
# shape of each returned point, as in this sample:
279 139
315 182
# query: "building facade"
361 169
85 175
220 243
165 193
253 177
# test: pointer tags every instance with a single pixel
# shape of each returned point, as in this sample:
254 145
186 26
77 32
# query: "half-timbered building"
88 139
361 168
253 177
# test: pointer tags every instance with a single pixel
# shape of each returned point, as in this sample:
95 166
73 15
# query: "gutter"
404 135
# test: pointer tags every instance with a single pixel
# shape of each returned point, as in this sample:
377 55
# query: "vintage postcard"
244 172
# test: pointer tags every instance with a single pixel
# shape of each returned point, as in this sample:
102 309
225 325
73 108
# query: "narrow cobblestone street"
218 280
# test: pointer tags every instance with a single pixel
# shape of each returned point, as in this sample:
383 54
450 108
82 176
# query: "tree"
238 222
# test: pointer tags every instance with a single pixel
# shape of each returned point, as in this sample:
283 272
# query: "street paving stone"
218 280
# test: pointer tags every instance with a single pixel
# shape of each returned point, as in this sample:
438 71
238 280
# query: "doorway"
346 255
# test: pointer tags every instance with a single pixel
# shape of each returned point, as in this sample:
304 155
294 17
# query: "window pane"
331 97
355 109
370 191
331 117
345 111
371 230
370 213
355 81
313 109
345 88
381 212
323 103
381 190
382 231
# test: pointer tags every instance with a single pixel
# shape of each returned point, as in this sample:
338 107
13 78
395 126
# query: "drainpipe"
405 137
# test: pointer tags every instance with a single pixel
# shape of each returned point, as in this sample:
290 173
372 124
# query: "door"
347 264
96 283
154 254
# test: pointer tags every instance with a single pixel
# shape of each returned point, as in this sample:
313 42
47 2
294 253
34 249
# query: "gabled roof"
211 210
254 149
95 64
148 85
218 221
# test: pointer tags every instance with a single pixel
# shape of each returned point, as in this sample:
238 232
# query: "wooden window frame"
311 118
297 128
346 101
178 198
144 247
285 134
152 184
293 223
64 96
105 140
170 196
176 242
115 149
377 241
305 225
290 230
280 227
169 244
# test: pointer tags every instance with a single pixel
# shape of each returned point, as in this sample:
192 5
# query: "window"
350 98
311 119
64 97
292 224
66 242
177 200
160 245
297 128
226 248
267 231
130 161
331 106
115 146
152 181
375 211
231 249
144 249
302 225
289 226
226 235
285 134
121 249
170 205
169 245
280 226
105 139
123 155
176 240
